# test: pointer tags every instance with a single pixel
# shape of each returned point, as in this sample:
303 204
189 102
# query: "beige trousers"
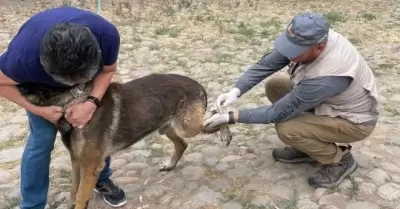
312 134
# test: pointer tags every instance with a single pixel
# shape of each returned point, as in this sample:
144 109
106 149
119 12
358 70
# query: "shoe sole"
113 205
298 160
349 171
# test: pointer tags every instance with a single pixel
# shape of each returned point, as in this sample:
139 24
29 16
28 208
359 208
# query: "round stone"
7 132
118 163
5 176
136 166
363 205
221 166
389 191
390 167
61 163
156 146
366 189
126 180
305 203
211 162
139 145
318 193
329 207
335 199
211 151
378 176
205 196
9 155
194 157
230 158
232 205
193 172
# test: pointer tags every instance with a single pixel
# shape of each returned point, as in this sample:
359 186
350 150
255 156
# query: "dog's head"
70 54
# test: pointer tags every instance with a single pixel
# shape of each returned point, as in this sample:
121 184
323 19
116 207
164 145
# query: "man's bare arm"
102 81
9 91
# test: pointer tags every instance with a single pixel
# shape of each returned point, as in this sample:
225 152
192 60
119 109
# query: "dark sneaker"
332 175
291 155
112 194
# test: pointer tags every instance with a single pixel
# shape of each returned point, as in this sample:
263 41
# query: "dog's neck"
74 95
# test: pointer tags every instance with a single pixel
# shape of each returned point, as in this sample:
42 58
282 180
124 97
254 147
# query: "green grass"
223 58
355 41
352 192
172 32
368 16
13 142
335 17
244 29
169 11
291 203
10 203
65 174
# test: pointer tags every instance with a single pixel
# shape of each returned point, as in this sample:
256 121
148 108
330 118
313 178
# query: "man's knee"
42 133
287 133
276 87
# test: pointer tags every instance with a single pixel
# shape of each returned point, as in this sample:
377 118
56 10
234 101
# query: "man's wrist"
236 116
232 117
236 91
95 100
91 103
34 109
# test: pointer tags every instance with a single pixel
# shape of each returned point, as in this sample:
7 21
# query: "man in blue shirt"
59 48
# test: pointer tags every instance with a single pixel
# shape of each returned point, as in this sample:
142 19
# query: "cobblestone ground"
214 43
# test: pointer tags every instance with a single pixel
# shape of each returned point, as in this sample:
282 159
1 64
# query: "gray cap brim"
284 46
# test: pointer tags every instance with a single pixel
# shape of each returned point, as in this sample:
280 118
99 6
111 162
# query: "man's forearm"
102 82
12 93
266 66
9 91
309 94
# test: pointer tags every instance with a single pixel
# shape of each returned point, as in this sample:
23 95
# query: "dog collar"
76 91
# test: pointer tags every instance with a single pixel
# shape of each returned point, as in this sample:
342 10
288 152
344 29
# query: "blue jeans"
35 163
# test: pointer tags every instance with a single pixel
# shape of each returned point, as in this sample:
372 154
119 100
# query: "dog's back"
157 102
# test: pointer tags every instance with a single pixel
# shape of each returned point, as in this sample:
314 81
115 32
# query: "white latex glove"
216 119
228 98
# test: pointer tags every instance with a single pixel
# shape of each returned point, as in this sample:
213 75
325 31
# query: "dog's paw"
166 167
226 135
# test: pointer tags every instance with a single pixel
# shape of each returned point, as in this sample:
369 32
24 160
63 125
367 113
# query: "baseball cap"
304 31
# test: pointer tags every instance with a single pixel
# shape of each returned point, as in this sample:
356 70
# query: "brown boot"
333 174
291 155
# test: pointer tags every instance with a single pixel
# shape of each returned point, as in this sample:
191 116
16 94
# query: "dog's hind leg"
75 182
180 146
187 123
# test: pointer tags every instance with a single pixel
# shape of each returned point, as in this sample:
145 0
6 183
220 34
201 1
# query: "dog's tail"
225 133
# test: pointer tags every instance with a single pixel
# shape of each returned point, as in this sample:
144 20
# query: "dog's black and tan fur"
171 104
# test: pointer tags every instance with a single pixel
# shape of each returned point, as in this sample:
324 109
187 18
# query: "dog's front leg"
89 175
74 183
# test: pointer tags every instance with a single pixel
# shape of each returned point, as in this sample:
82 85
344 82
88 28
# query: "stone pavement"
214 46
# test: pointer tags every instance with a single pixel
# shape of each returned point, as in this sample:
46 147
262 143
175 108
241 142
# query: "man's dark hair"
70 53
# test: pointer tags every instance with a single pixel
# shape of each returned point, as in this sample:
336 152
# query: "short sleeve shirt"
21 61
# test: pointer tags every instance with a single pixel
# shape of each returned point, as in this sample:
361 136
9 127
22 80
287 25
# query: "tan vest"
358 103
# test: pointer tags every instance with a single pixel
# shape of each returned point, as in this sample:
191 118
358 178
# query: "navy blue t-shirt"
21 60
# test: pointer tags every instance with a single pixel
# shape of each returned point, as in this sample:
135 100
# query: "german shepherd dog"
174 105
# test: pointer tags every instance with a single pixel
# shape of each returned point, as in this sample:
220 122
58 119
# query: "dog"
170 104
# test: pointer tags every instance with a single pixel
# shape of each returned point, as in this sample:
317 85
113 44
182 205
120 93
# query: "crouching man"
329 97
